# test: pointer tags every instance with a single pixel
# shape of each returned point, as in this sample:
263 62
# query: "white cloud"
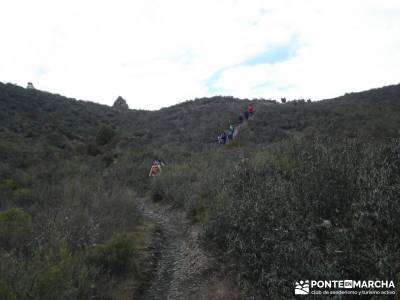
156 53
346 46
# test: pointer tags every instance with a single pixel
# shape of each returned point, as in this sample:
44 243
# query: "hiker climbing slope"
155 168
250 110
233 131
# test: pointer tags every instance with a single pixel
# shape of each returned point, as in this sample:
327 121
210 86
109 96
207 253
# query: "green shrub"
115 257
45 276
8 184
104 135
15 228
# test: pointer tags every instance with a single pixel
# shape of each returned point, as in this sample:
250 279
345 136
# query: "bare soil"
184 269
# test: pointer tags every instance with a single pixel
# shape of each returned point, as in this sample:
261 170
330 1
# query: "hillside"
32 113
73 172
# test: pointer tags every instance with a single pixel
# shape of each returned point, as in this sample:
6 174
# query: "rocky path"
184 269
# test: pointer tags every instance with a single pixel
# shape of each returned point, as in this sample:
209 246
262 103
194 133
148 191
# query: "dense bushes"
44 247
332 215
104 135
115 257
295 209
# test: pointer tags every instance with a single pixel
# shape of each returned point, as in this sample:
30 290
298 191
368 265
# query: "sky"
156 53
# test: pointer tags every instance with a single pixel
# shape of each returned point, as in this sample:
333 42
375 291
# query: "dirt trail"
184 269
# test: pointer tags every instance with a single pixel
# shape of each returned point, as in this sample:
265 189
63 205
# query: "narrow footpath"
184 269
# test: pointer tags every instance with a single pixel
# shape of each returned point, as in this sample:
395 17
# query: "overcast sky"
156 53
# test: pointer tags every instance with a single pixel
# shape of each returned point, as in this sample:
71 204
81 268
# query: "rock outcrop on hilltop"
120 104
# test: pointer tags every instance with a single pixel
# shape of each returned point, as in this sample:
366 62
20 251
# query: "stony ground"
184 269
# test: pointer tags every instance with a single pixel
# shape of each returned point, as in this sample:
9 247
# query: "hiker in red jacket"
250 110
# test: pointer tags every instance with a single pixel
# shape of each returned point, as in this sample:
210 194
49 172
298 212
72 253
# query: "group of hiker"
223 139
230 134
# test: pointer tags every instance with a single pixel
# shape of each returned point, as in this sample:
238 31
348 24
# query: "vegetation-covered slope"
71 173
